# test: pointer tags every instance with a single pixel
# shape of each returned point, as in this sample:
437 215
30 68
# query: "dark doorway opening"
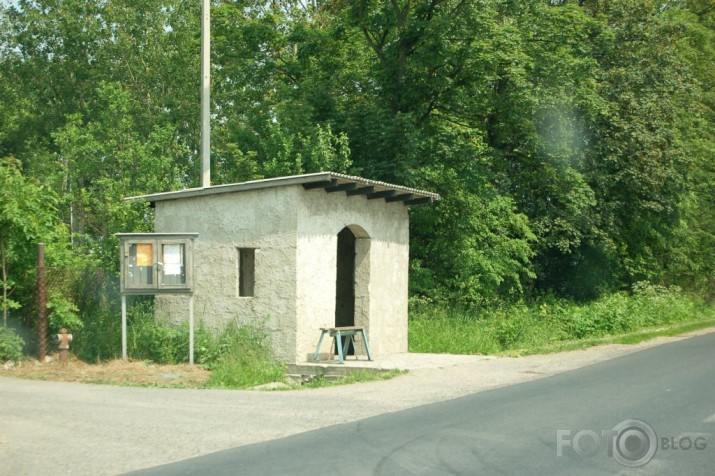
345 283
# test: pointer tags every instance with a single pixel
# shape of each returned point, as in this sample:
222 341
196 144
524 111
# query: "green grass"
239 356
554 325
631 338
673 330
243 359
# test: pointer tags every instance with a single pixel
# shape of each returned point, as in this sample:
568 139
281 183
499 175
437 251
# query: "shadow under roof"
328 181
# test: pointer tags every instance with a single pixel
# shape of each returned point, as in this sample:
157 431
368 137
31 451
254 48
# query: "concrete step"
307 372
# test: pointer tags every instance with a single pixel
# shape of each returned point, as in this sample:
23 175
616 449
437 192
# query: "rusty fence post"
41 303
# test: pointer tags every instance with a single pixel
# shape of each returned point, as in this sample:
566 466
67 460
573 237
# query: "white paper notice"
172 269
172 254
172 260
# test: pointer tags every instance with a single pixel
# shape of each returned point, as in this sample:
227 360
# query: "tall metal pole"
206 94
124 327
41 304
191 329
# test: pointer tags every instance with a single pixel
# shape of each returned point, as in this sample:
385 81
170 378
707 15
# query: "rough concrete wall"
294 232
261 219
381 306
388 297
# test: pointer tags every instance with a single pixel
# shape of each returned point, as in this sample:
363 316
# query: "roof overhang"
331 182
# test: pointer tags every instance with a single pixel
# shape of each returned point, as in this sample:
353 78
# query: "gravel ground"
70 428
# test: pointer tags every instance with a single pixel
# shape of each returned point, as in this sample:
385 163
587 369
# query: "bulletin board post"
191 328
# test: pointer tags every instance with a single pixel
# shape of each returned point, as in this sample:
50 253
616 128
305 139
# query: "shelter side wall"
263 220
381 269
388 297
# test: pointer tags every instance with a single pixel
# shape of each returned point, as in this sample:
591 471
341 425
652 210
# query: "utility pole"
206 94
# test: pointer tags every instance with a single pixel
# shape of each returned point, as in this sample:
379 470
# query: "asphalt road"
519 429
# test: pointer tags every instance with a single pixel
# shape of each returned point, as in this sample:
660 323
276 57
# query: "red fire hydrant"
63 345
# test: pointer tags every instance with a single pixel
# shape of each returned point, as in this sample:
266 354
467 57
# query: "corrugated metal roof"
329 181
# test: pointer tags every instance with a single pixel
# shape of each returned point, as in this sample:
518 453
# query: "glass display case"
156 262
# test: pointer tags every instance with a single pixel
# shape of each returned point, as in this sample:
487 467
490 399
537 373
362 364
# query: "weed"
11 345
239 356
245 359
508 332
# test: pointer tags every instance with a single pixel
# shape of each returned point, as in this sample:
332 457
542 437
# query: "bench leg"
317 348
364 341
339 340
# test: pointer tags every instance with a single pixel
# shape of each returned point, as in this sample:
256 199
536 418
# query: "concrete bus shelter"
296 254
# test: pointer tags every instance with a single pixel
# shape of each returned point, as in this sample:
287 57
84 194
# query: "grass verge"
113 372
553 325
240 356
631 338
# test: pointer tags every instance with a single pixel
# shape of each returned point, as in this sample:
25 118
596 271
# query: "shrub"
508 332
156 342
245 358
11 345
63 314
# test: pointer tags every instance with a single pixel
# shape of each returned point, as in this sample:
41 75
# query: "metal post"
124 327
191 329
41 303
206 94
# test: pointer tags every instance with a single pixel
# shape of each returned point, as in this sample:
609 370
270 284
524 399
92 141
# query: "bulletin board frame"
157 263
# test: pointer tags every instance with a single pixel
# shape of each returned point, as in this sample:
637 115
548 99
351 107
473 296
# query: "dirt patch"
114 372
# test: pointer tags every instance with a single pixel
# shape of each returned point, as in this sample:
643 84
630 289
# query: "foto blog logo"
633 443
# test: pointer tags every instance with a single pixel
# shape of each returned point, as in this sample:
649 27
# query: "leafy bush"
245 358
508 332
239 356
472 246
165 344
63 314
11 345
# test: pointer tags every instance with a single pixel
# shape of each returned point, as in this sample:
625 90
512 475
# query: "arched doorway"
345 279
351 279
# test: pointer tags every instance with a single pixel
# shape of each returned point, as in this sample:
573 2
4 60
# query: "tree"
27 217
638 162
101 102
692 263
105 159
571 141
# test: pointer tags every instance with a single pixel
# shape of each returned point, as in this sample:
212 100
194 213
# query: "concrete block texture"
299 274
380 270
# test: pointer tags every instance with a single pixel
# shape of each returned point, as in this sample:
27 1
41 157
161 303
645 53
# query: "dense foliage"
553 324
573 142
